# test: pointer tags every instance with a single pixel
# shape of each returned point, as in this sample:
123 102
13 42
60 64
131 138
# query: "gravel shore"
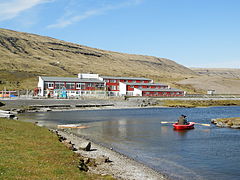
120 167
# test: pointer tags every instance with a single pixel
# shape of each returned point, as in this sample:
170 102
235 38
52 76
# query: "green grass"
203 103
31 152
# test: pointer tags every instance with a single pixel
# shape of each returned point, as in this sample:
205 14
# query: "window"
59 85
50 85
89 85
80 86
70 86
112 80
113 87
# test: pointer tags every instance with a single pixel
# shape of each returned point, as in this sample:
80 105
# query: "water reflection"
182 132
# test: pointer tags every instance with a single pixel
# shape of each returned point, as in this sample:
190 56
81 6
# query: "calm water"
202 153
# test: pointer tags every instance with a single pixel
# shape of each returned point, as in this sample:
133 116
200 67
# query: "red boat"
190 125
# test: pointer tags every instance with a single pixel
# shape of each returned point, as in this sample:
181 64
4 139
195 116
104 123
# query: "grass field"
32 152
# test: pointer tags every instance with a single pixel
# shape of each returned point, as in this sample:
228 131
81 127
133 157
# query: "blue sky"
194 33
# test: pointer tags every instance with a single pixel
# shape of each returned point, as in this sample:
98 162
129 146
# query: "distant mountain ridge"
24 56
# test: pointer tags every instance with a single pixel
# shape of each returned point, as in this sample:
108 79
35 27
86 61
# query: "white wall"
122 89
88 76
41 85
137 92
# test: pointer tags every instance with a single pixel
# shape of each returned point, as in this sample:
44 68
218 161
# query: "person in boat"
182 120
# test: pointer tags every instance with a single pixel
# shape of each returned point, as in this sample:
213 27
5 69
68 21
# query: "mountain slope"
24 56
222 80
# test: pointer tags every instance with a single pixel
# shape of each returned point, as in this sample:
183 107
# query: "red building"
128 88
93 84
112 83
158 92
69 86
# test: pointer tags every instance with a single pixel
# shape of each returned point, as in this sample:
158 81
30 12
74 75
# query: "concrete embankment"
6 114
67 103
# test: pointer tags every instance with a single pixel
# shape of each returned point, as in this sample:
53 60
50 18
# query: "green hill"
25 56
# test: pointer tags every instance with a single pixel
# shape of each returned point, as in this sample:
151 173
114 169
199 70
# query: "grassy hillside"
25 56
31 152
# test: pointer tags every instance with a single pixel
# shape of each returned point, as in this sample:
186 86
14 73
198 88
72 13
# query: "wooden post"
4 91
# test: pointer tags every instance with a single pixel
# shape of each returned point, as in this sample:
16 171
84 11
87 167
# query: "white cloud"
13 8
63 22
67 20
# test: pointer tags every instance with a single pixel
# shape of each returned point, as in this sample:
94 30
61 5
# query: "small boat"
190 125
79 126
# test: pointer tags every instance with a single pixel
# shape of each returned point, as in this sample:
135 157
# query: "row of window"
117 81
156 87
114 87
50 85
163 93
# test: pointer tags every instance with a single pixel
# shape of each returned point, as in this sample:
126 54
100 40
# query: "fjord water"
202 153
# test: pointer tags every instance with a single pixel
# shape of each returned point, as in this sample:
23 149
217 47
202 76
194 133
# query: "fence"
16 94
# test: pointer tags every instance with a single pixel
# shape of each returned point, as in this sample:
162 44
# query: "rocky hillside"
223 81
25 56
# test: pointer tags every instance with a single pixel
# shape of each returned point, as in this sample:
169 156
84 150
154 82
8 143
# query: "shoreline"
120 167
27 105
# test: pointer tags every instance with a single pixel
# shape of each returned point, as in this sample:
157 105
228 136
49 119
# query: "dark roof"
125 78
161 90
144 84
68 79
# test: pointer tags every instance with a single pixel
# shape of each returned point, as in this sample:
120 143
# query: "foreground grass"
31 152
198 103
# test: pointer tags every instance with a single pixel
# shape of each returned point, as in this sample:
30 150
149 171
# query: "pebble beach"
120 166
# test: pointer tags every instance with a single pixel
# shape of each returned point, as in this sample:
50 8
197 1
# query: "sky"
194 33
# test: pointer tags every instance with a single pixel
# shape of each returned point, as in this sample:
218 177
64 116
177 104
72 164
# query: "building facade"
127 88
64 87
158 92
96 85
113 83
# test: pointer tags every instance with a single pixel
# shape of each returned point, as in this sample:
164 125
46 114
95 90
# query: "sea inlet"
202 153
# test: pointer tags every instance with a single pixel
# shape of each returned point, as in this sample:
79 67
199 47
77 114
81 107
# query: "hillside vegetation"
223 81
25 56
32 152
